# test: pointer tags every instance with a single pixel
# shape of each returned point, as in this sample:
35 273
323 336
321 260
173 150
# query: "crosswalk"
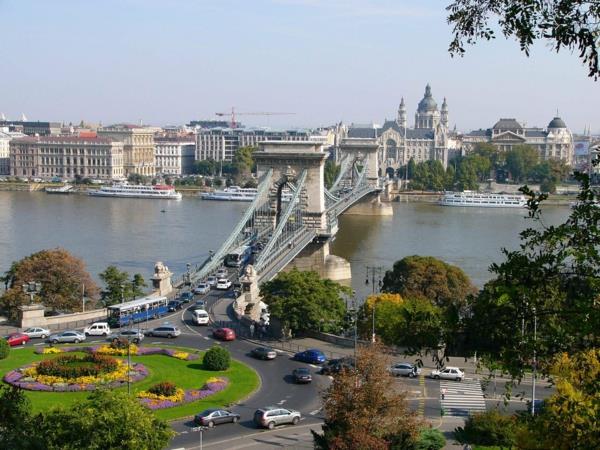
462 398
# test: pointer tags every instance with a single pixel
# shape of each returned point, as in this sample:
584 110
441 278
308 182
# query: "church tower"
401 120
427 115
444 114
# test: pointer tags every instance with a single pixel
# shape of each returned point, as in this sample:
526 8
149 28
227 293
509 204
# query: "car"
224 334
134 335
212 417
270 416
202 288
311 356
201 317
169 331
263 353
186 297
405 369
223 284
17 339
301 375
222 273
37 332
449 373
200 304
335 366
174 305
97 329
69 336
211 281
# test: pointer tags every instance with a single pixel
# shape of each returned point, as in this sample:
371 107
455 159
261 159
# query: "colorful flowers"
109 350
117 351
181 355
153 401
51 350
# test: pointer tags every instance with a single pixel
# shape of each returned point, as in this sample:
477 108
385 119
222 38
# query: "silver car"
135 336
169 331
405 369
271 416
37 332
70 336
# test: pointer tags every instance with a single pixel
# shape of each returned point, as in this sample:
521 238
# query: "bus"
239 257
142 309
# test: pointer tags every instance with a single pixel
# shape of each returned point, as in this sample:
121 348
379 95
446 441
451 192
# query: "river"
134 233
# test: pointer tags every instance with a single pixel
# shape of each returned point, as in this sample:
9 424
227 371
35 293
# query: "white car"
97 329
202 288
223 284
201 317
222 273
37 332
449 373
211 281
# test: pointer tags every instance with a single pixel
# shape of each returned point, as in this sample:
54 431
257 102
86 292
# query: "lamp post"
31 288
534 375
376 283
188 265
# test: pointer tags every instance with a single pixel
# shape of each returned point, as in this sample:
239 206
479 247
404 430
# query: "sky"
171 61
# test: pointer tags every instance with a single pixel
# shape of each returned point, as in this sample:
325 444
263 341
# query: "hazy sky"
169 61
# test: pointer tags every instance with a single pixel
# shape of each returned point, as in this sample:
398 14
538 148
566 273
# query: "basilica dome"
427 104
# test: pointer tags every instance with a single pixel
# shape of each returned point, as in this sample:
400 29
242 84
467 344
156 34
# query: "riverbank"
80 189
434 197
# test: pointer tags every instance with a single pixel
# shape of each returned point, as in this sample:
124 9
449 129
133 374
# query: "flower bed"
108 350
156 401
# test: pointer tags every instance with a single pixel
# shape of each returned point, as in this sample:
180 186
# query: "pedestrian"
252 330
444 390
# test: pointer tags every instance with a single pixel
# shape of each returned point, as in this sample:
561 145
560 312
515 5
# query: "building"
220 144
174 155
67 157
5 137
553 142
138 147
33 128
429 139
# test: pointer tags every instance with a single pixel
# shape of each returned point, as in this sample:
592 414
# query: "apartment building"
174 155
138 147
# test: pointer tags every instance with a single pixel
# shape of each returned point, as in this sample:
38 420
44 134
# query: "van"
97 329
201 317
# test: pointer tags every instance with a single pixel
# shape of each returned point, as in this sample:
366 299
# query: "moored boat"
231 194
482 200
124 190
66 189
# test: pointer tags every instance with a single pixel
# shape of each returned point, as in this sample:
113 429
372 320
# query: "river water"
134 233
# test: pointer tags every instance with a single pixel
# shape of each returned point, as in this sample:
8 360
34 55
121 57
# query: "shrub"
75 366
488 428
430 439
217 358
4 348
164 388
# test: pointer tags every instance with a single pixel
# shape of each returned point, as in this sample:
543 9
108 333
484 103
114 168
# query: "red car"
17 339
224 334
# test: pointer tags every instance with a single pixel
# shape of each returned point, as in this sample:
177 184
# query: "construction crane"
232 114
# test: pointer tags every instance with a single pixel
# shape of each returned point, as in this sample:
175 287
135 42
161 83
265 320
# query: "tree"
106 420
520 161
363 411
303 301
411 168
552 279
62 276
17 427
570 24
430 439
205 167
465 177
331 172
216 358
488 428
136 178
243 161
118 286
251 183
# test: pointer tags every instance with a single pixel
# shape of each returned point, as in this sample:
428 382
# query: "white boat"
124 190
482 200
67 188
231 194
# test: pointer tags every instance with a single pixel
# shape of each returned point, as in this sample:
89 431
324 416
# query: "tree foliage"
331 172
216 358
62 276
205 167
4 349
303 301
488 428
570 24
520 162
363 411
430 439
118 286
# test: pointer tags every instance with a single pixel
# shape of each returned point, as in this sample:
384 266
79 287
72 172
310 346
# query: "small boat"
124 190
66 189
231 194
482 200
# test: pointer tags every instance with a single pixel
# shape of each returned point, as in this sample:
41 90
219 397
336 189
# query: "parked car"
70 336
263 353
222 273
405 369
311 356
186 297
223 284
174 305
212 417
301 375
336 365
211 281
169 331
224 334
202 288
200 304
37 332
201 317
17 339
449 373
271 416
97 329
134 335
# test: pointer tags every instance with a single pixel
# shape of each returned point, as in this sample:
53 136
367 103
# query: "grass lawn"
185 374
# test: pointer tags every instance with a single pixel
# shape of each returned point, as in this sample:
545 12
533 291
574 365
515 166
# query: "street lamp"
122 293
534 361
31 288
188 265
375 288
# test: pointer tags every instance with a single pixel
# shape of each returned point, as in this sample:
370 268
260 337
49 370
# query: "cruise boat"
66 189
124 190
231 194
482 200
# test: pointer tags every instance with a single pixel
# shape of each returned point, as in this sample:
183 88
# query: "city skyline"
170 66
